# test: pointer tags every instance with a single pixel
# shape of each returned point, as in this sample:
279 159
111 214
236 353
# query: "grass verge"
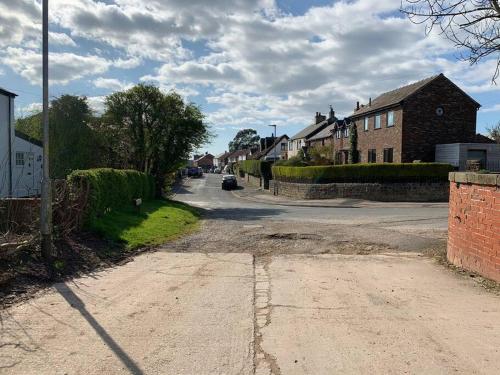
157 222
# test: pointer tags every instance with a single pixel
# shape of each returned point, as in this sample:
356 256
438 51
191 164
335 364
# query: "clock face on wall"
439 111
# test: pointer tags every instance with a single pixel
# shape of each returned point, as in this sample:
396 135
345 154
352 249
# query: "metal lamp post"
46 201
275 136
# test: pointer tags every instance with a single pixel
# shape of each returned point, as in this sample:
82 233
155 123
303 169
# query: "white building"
20 155
457 154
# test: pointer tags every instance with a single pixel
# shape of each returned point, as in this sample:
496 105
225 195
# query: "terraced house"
406 124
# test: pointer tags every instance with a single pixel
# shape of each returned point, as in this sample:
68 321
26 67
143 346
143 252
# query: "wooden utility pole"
46 203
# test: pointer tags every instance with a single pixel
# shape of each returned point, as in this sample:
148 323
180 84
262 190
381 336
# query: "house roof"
7 93
29 139
223 155
325 133
479 138
264 152
311 129
391 98
205 156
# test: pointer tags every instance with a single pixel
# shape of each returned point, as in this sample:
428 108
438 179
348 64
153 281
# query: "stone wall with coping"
474 223
385 192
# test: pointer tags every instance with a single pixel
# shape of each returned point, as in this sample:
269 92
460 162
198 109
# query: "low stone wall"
18 214
387 192
252 180
474 223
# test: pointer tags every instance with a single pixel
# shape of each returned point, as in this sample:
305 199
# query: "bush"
295 161
257 168
111 188
252 167
403 172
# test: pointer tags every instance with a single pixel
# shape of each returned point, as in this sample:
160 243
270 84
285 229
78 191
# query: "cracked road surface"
267 289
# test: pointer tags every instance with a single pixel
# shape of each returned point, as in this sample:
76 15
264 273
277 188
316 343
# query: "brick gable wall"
423 128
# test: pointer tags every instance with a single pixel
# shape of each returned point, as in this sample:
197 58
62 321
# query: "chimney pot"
370 102
357 106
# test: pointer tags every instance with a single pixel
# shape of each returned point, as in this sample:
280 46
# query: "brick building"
406 124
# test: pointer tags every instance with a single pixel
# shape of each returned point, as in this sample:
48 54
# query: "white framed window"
337 134
346 132
366 123
378 121
390 119
290 146
20 159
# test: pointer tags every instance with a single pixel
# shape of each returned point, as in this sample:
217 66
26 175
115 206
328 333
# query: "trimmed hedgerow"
257 168
111 188
393 172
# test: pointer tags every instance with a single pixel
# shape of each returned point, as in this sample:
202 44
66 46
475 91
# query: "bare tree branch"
472 25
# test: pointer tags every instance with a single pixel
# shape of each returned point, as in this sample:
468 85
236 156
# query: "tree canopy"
155 132
141 128
72 141
244 139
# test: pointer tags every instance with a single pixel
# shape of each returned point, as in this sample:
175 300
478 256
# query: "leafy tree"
494 132
472 25
155 132
31 125
72 141
353 138
244 139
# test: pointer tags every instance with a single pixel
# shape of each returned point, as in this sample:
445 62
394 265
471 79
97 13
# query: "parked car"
217 170
195 172
229 182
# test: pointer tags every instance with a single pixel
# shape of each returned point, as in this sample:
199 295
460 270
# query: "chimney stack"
319 117
370 102
357 106
332 113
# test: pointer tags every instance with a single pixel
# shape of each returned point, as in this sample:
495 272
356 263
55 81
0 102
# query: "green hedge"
393 172
111 188
257 168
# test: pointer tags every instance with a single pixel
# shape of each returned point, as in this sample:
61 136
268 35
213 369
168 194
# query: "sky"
246 63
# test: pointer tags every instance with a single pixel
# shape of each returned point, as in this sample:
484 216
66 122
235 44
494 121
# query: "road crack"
264 362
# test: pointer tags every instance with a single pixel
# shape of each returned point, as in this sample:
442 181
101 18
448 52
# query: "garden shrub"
295 161
111 188
393 172
252 167
257 168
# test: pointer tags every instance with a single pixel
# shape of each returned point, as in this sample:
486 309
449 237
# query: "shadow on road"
241 214
75 302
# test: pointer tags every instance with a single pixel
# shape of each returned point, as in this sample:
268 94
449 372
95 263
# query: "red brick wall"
474 228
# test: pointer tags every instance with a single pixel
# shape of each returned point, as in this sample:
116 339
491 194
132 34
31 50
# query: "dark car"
195 172
229 182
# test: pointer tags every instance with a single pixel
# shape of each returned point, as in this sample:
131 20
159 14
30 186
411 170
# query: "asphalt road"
266 289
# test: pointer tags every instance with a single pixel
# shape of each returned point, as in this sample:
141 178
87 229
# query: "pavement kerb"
326 203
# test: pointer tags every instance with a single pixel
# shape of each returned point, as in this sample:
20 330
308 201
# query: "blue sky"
246 63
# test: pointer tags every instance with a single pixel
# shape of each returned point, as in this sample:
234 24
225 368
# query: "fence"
20 217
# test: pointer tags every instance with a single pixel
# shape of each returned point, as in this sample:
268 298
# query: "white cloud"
129 63
63 68
257 63
111 84
29 109
96 103
494 108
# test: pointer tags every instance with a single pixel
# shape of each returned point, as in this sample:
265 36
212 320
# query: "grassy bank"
157 222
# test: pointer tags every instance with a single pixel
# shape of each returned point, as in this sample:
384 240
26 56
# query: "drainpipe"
10 146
